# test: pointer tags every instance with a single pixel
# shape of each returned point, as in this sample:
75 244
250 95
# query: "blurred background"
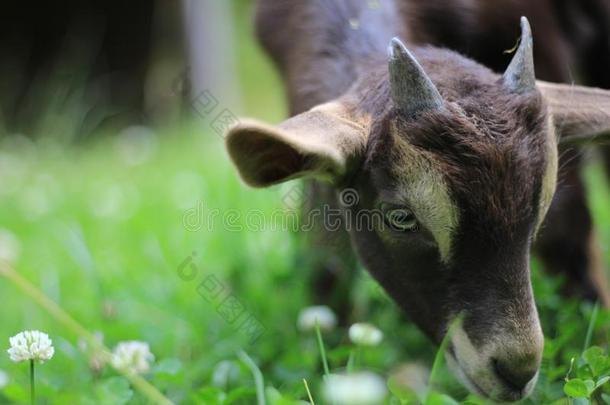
72 69
112 166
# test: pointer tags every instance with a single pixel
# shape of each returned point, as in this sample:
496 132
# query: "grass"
103 238
99 231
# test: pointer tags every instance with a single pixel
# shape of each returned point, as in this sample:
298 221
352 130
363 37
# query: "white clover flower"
133 357
324 316
31 345
365 334
361 388
3 379
410 376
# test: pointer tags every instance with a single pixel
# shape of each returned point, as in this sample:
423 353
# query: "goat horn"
412 89
520 76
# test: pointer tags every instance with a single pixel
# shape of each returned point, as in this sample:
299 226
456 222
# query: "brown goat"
459 162
572 40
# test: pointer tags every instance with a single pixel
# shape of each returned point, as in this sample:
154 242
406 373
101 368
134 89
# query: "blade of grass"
258 376
351 361
567 377
322 350
32 381
354 359
592 321
308 392
439 358
139 383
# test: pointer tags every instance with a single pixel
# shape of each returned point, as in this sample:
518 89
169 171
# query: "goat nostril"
516 376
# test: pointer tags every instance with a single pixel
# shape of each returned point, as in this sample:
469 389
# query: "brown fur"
570 35
476 166
572 40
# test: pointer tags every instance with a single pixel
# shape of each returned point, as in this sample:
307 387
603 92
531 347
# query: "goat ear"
322 143
581 114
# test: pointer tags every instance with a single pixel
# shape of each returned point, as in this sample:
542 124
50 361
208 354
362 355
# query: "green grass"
104 239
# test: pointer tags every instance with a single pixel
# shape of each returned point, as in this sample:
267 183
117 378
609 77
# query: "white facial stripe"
549 182
423 188
473 365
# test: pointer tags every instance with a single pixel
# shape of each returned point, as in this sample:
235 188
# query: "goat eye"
400 219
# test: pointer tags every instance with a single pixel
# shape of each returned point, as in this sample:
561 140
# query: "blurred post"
210 38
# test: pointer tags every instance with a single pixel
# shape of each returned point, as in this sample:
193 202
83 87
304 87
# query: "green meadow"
127 234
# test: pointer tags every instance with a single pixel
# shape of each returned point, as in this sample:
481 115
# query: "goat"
573 38
460 162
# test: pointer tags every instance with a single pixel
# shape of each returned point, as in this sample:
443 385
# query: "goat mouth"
508 394
462 375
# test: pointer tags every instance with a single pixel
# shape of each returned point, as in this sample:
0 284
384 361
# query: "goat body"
459 162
